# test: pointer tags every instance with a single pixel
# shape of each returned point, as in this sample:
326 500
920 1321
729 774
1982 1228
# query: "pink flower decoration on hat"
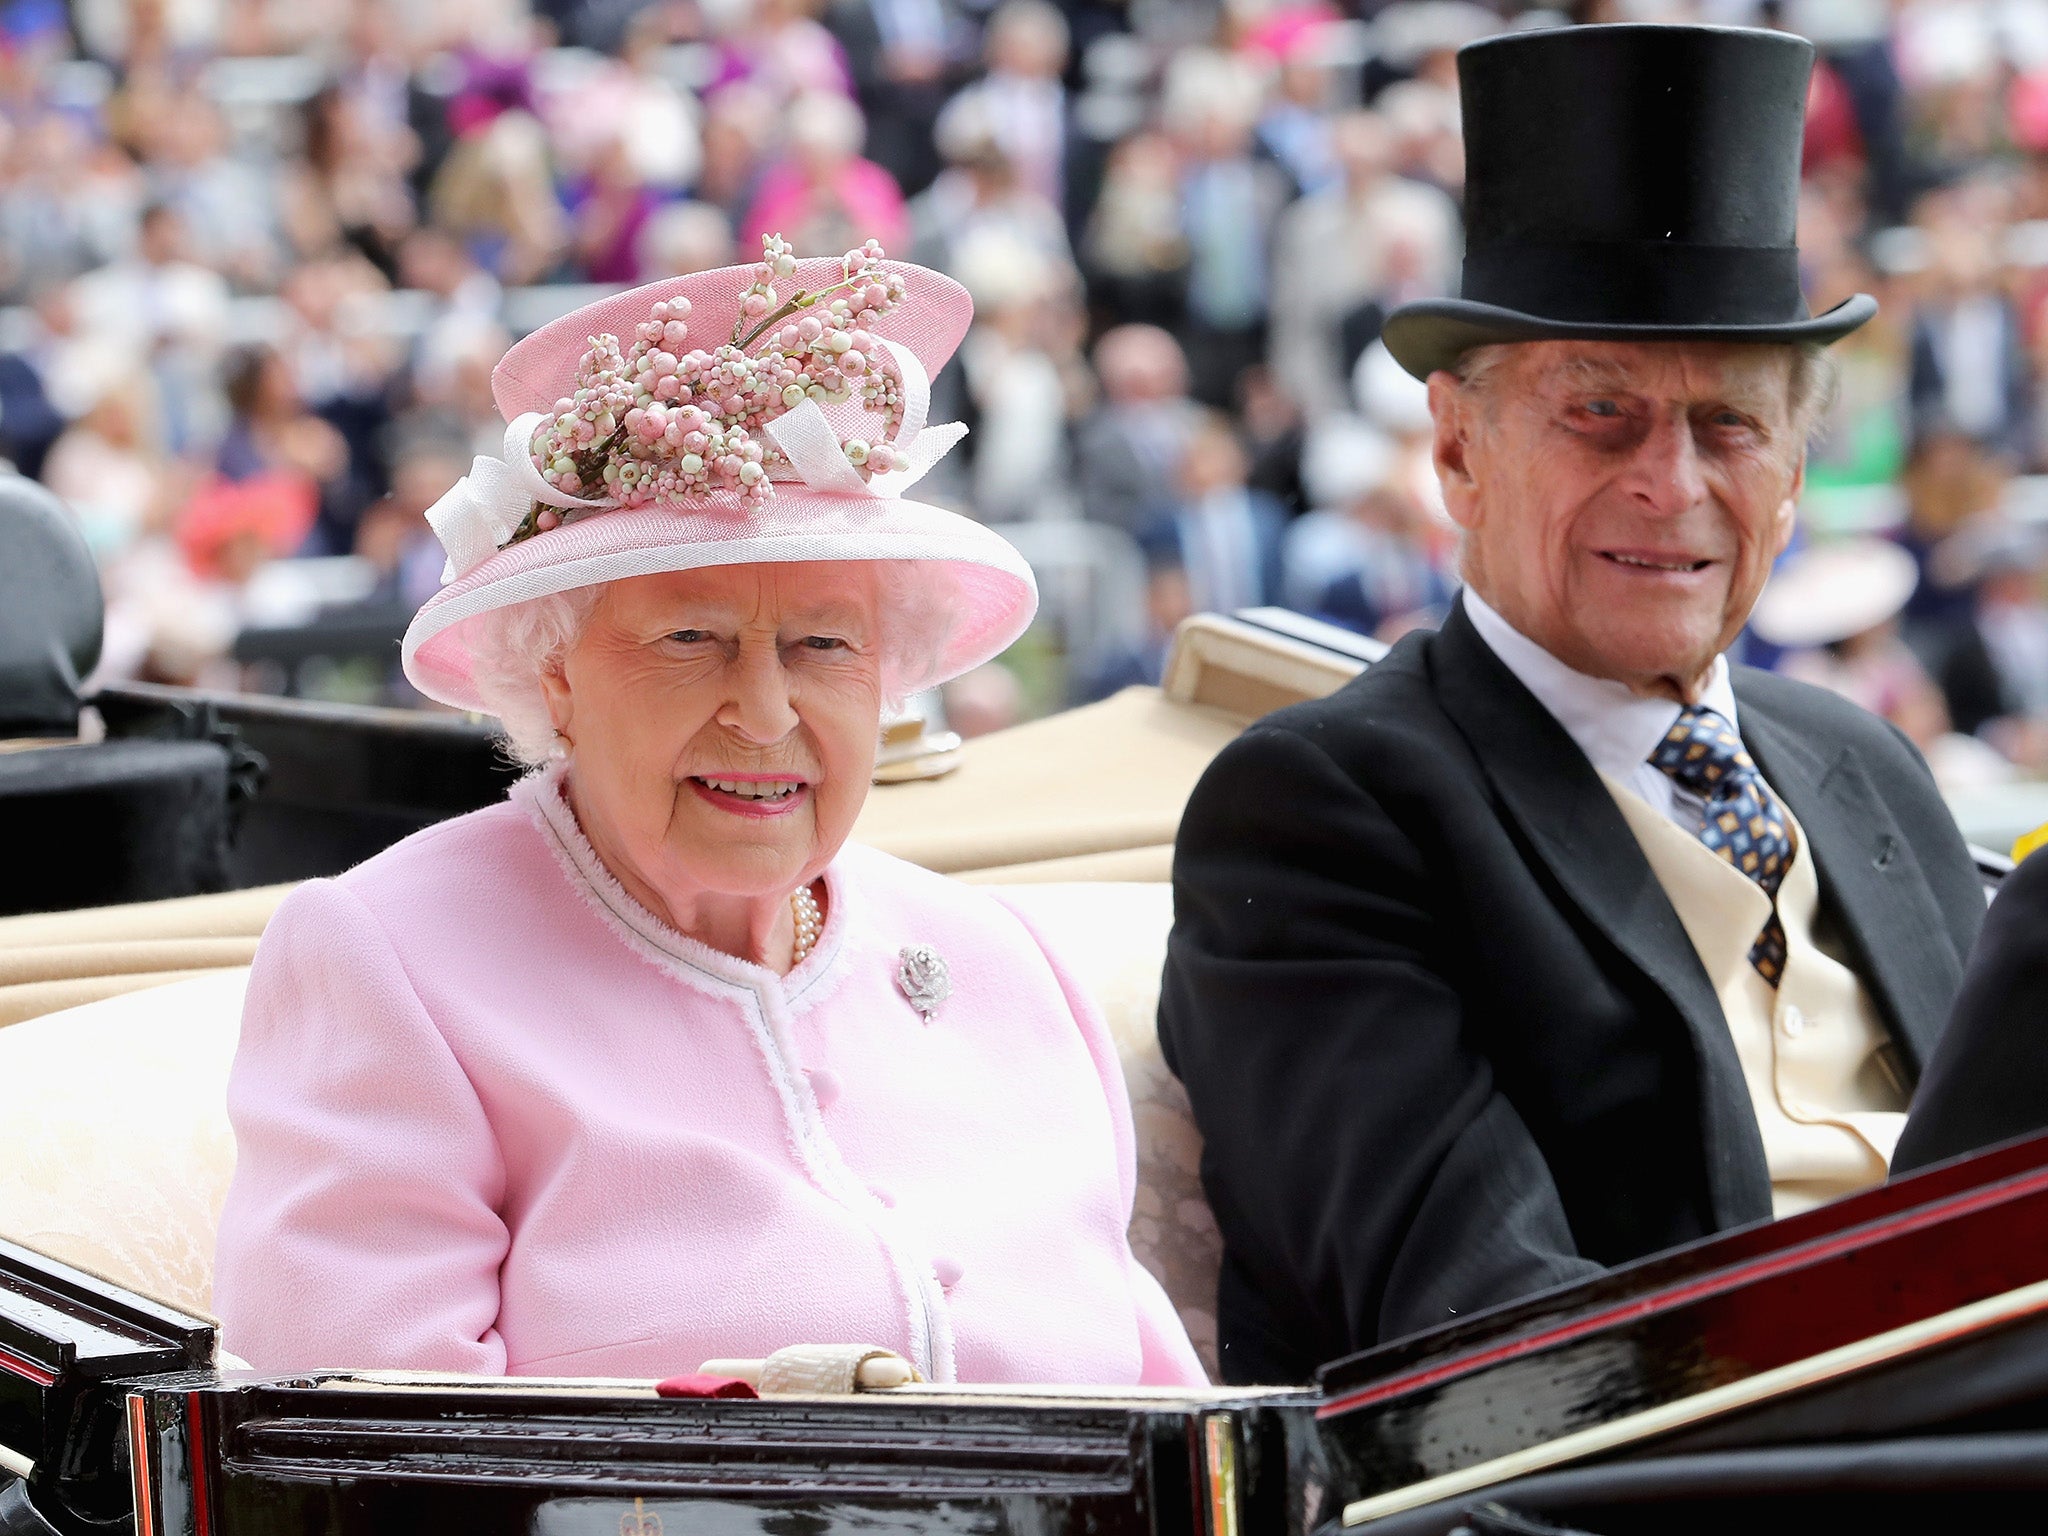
663 422
841 459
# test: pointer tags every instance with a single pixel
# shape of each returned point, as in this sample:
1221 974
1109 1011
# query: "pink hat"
750 415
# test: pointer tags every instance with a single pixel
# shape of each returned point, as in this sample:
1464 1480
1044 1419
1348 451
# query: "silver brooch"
923 978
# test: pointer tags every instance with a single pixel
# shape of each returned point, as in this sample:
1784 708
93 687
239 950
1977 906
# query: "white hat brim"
977 577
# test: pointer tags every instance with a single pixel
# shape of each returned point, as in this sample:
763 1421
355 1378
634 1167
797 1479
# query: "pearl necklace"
809 922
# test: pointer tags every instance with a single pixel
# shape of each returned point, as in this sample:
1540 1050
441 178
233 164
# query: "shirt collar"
1615 728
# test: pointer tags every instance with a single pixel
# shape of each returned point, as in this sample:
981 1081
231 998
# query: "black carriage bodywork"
355 1454
338 782
1884 1359
68 1341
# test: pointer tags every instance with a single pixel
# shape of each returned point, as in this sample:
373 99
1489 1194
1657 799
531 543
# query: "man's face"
1623 501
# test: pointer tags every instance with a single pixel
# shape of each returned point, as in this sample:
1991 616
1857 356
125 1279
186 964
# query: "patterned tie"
1745 823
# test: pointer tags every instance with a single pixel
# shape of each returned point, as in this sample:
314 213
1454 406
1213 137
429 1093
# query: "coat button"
824 1086
948 1271
1795 1022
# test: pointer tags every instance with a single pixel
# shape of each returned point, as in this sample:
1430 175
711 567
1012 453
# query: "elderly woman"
648 1065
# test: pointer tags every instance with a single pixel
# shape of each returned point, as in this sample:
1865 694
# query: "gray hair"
514 647
1814 381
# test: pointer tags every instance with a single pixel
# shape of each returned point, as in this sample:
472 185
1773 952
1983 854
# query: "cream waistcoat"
1829 1110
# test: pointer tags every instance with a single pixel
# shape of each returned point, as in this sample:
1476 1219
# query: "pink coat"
493 1116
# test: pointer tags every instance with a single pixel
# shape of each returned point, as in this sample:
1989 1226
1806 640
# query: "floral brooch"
921 976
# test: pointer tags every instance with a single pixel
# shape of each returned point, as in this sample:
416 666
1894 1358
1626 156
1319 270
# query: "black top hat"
1628 183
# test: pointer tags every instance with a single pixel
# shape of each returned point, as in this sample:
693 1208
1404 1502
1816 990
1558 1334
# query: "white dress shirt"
1616 728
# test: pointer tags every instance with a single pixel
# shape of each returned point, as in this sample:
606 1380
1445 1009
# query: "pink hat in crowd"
750 415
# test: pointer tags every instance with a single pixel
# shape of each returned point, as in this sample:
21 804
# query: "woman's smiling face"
723 725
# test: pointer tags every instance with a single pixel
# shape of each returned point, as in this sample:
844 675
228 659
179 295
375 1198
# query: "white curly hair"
514 647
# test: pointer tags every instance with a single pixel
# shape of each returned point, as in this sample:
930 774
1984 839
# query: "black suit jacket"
1988 1081
1446 1038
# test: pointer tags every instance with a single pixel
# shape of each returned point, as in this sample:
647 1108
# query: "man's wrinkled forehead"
1753 377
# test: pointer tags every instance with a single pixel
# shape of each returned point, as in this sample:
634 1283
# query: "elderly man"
1555 940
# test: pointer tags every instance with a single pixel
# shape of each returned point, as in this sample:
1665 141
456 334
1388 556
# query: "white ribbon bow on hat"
807 440
481 512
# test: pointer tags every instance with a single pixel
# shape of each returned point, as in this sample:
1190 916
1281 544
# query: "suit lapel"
1868 871
1571 824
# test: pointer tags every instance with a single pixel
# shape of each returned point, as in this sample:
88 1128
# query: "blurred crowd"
258 258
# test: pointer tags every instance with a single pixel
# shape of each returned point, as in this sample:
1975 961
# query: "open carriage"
1878 1360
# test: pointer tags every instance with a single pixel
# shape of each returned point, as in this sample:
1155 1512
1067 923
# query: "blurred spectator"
822 196
1862 437
1274 437
1353 252
452 394
1020 467
1134 249
1834 609
374 69
1345 461
902 55
393 534
495 190
136 32
350 188
980 194
1229 200
1397 404
1295 128
228 207
30 420
1126 453
66 204
1971 371
686 237
1401 582
175 604
465 299
1420 39
341 368
1994 674
1021 102
231 529
110 467
1863 63
627 107
1429 143
740 125
780 48
1950 482
1372 560
987 699
1168 601
176 309
608 212
273 438
1226 534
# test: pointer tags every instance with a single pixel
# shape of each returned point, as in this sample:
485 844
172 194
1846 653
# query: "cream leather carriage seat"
115 1148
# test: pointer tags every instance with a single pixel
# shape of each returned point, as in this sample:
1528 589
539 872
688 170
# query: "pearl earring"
558 750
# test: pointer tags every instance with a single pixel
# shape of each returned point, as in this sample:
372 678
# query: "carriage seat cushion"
119 1152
